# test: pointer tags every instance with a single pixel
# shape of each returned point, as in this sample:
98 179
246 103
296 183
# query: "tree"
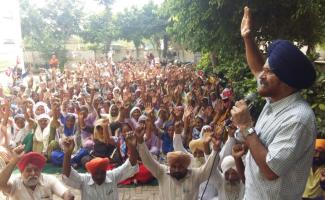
131 26
213 25
136 24
99 30
46 29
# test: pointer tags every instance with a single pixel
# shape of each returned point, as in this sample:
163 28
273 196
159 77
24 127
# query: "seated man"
177 180
32 184
100 184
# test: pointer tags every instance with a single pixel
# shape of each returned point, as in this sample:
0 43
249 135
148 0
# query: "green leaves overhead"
47 28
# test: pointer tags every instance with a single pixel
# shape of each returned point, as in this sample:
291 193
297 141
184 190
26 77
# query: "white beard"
198 162
30 182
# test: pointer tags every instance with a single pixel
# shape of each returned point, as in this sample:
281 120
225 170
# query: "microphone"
250 100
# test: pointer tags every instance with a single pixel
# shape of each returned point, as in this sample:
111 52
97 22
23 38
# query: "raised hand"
178 127
238 150
18 152
217 141
245 27
188 111
139 133
148 108
207 137
131 140
154 99
68 145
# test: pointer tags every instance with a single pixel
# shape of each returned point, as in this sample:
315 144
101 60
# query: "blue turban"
290 65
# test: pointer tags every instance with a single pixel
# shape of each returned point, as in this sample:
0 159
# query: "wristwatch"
248 131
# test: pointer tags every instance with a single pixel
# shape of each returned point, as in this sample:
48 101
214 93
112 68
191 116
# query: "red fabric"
142 177
33 158
96 164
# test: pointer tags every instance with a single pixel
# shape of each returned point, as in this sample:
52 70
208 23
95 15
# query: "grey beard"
31 181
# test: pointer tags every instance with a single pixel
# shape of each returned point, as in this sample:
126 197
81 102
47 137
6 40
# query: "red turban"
33 158
97 164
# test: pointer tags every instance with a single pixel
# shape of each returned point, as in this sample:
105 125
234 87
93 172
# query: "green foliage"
204 62
136 24
46 29
99 30
316 97
214 26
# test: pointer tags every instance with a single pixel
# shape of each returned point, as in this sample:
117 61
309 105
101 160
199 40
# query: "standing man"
281 145
54 62
32 184
176 179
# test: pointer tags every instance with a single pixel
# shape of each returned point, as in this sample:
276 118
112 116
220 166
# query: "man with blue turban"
281 143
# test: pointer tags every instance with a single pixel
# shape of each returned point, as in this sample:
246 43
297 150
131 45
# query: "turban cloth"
43 116
33 158
226 93
97 164
178 157
142 118
41 103
320 144
133 110
290 65
196 145
21 116
228 163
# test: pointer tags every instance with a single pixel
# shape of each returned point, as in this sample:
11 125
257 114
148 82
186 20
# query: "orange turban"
97 164
178 156
33 158
320 144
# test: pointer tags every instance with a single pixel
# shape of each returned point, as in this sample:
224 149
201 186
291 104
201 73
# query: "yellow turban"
178 157
320 144
196 145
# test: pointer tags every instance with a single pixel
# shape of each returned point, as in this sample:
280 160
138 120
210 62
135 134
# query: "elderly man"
177 180
281 145
100 184
32 184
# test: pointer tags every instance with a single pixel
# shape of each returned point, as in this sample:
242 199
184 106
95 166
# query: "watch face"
251 130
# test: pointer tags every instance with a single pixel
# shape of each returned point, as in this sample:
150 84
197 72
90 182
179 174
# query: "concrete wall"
78 56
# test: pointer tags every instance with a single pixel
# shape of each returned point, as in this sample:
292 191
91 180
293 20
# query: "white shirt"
48 185
210 191
170 188
107 190
287 129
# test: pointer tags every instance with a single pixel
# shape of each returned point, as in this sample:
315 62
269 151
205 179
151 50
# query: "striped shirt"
288 131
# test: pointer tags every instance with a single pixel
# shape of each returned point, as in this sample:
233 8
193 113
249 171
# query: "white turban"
227 163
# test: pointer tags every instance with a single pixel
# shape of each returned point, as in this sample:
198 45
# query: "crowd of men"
134 121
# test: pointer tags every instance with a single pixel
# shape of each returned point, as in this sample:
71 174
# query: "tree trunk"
165 41
213 58
137 51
